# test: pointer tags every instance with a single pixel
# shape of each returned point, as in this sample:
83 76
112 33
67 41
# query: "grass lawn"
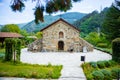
2 52
8 69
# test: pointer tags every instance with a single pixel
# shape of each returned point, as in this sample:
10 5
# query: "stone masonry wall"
70 38
35 46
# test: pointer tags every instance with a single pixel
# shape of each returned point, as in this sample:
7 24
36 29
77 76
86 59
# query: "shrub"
49 65
107 74
93 64
101 64
116 49
114 72
107 63
102 45
12 46
113 63
97 75
89 76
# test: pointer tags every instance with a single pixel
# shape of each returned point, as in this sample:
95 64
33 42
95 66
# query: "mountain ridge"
48 19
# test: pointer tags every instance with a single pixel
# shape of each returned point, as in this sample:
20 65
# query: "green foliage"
91 22
94 64
108 63
102 45
39 14
93 72
24 33
111 23
48 19
98 75
112 62
12 47
49 6
93 38
25 41
17 5
116 49
8 69
107 74
10 28
87 70
39 35
114 72
9 43
101 64
96 39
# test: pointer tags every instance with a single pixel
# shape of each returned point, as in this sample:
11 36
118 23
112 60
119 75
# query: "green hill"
48 19
91 22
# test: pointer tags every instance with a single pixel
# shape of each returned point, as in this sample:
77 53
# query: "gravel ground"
71 62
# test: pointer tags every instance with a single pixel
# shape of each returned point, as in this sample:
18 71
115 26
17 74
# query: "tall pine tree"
111 24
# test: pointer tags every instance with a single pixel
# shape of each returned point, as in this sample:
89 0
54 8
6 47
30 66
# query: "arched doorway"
60 45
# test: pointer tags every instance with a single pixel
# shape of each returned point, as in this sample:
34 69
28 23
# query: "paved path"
71 61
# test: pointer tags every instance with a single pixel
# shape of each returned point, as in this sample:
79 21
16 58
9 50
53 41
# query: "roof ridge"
60 19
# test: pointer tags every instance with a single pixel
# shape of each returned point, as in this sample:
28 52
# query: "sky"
7 16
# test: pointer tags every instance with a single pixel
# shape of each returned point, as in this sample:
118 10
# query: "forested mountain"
1 27
48 19
91 22
21 25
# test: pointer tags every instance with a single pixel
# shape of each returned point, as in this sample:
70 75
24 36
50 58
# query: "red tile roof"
9 35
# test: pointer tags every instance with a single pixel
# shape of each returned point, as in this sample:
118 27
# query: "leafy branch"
50 7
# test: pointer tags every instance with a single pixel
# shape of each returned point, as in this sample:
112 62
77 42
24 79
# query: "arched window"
61 35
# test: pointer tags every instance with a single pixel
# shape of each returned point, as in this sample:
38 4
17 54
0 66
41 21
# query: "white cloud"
8 16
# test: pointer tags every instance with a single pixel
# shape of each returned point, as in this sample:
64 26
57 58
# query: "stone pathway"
71 62
72 73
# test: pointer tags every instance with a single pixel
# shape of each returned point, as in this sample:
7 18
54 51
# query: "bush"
89 76
116 49
107 63
107 74
113 63
93 64
101 64
114 72
97 75
102 45
12 47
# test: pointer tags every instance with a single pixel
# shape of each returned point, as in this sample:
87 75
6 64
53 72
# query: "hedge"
116 49
12 48
97 75
107 74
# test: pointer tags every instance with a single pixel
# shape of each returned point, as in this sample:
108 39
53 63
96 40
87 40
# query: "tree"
50 7
97 40
10 28
111 24
12 49
39 35
116 49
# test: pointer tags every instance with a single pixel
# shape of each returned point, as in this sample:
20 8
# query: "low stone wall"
80 45
86 45
35 46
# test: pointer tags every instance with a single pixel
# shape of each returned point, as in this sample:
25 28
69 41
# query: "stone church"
60 36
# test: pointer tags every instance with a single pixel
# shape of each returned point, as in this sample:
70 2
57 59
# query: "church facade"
62 36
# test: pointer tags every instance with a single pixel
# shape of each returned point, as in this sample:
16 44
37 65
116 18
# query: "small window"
61 35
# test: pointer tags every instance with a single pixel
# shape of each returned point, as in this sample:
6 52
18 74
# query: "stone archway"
60 45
